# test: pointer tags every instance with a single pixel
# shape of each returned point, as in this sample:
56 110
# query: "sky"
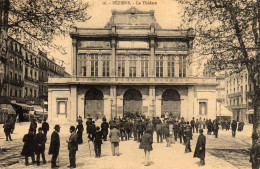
167 14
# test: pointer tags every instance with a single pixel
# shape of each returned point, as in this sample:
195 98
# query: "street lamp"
153 105
111 103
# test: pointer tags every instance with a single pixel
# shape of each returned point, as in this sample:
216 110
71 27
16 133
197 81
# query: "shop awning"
224 111
39 109
24 106
8 107
251 111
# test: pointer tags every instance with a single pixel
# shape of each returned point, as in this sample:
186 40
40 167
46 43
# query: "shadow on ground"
236 157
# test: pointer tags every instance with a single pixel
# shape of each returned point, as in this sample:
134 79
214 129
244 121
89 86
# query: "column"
81 106
74 57
158 106
51 107
152 51
113 101
113 54
152 101
73 111
191 103
152 58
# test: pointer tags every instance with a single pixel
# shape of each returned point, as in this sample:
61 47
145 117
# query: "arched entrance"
132 102
171 103
94 104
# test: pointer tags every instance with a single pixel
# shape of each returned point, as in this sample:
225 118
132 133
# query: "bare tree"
228 32
38 21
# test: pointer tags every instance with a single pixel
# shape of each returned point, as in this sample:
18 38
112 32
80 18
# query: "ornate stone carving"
172 45
94 44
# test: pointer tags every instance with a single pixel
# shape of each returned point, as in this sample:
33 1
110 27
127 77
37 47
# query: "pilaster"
74 57
74 104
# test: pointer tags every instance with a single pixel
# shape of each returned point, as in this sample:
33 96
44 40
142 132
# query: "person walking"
216 128
159 131
33 125
45 127
234 128
200 148
55 146
28 147
192 123
114 136
7 130
146 144
97 140
197 124
104 129
187 134
72 147
40 140
80 130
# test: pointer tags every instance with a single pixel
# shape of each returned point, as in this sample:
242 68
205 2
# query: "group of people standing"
34 143
139 128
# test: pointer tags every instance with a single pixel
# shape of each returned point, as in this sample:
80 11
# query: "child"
97 140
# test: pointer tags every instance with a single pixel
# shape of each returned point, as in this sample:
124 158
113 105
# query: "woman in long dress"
146 144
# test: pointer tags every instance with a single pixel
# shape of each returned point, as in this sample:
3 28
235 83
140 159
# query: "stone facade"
132 65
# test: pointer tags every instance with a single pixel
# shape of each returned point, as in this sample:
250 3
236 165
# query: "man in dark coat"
197 124
97 140
33 125
234 128
40 140
216 128
7 129
28 147
72 146
45 127
88 126
80 130
187 135
209 126
104 129
128 129
192 123
175 130
200 148
55 146
159 131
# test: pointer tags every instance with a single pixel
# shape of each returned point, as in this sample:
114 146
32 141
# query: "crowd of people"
139 128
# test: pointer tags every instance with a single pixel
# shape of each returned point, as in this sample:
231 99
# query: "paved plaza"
223 152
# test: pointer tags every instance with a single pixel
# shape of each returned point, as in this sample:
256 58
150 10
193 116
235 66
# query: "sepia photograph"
130 84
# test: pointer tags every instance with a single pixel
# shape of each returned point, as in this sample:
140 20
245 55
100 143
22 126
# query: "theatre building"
131 65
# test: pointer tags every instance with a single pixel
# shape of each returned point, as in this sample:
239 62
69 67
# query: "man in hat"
97 140
200 148
28 147
55 146
104 128
114 136
7 130
72 146
45 127
40 140
33 125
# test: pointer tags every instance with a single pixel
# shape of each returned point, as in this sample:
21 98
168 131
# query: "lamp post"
111 103
153 105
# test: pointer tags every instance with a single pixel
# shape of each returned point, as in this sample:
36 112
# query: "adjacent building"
132 65
26 71
238 89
